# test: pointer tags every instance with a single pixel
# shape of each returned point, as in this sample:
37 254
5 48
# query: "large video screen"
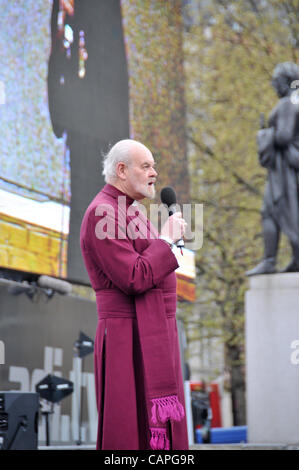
76 76
34 170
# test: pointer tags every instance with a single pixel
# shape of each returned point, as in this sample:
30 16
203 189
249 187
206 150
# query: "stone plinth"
272 358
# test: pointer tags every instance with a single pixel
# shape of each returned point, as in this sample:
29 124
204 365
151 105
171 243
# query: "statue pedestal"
272 358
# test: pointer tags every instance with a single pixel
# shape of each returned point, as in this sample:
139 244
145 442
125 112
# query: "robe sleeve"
132 272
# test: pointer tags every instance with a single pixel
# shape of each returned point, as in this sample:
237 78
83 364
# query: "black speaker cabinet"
18 420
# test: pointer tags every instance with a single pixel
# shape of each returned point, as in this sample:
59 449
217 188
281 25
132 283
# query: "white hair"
120 152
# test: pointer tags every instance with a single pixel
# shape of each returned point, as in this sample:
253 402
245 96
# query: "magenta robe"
118 270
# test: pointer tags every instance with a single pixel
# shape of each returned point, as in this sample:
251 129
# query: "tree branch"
206 149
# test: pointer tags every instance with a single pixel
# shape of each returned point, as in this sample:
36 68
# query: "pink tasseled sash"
158 365
151 310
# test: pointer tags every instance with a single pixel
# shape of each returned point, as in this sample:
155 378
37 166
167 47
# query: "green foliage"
231 50
154 40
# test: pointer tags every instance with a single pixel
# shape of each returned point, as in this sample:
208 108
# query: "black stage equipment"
46 284
18 420
82 347
52 285
53 389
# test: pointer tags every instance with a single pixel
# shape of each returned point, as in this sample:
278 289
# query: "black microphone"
168 197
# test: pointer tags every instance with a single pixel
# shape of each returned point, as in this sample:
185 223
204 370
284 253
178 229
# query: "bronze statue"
278 150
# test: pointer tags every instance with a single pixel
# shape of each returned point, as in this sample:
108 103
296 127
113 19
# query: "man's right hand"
175 227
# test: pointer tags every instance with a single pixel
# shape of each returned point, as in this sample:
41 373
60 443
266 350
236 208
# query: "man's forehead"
143 155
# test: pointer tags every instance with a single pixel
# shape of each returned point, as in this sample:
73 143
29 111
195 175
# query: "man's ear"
121 170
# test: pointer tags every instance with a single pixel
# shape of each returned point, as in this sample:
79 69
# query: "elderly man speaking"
139 385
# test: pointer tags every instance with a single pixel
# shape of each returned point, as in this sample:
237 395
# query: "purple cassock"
139 386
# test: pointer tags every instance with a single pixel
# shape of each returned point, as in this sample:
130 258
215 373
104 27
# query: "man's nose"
153 172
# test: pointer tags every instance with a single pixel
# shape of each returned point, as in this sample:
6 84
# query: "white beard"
146 190
151 190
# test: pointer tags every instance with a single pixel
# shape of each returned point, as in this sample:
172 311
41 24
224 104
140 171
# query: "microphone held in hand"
168 197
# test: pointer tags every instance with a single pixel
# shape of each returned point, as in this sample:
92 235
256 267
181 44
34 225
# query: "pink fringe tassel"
167 408
159 439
